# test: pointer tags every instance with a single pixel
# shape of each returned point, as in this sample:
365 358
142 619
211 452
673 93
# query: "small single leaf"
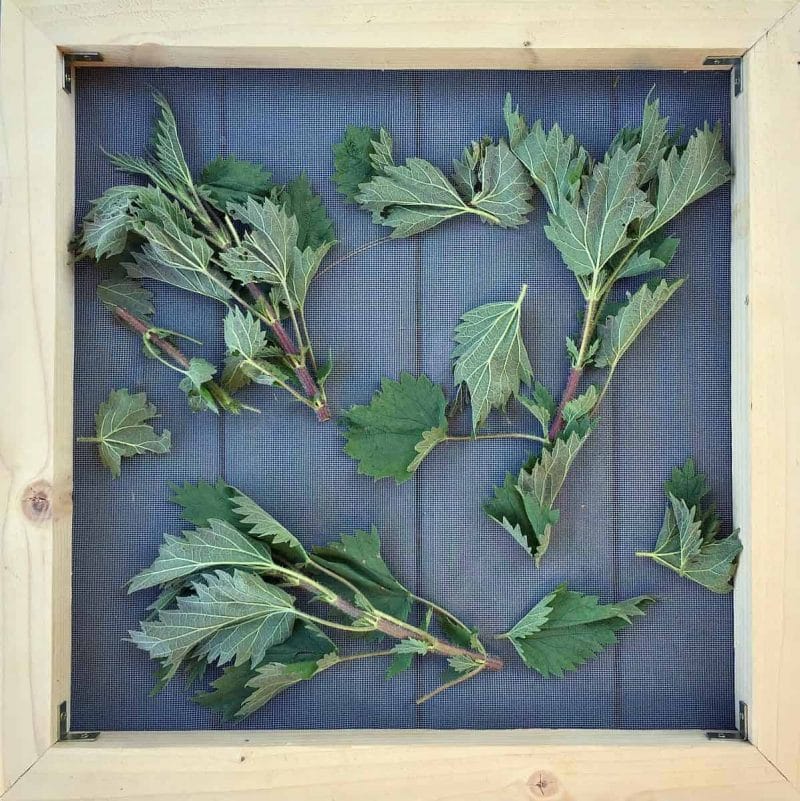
244 334
490 357
200 397
167 146
619 332
582 405
508 509
430 439
220 545
688 174
412 646
121 429
399 663
462 663
555 162
650 139
199 372
566 629
383 437
231 180
352 160
231 616
652 255
105 228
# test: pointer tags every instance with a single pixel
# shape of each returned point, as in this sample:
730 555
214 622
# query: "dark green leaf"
125 293
384 436
314 226
352 160
203 502
106 227
231 180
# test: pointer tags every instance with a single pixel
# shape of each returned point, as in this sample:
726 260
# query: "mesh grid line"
670 399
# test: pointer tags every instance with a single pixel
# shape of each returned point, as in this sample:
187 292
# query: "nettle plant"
236 590
232 235
607 220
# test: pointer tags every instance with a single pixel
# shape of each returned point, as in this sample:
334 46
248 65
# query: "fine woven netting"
389 310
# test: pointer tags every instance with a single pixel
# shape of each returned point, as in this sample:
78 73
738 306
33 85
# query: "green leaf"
555 162
357 558
412 646
199 373
231 616
381 156
352 160
218 546
650 140
314 227
687 175
462 663
304 268
508 509
167 146
590 230
503 188
652 255
566 629
581 406
234 696
105 228
125 293
272 679
265 527
430 439
383 436
490 357
231 180
689 541
399 663
121 429
244 334
539 486
618 332
202 502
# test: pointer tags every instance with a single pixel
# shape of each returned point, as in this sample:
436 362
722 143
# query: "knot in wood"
37 501
545 784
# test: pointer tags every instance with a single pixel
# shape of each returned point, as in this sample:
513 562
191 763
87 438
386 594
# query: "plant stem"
448 684
484 214
321 621
352 253
364 655
142 328
509 435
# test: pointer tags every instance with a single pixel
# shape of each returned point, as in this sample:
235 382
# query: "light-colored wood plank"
424 766
772 95
36 185
507 33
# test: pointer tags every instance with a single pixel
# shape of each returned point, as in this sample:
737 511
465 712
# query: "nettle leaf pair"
606 218
231 235
234 592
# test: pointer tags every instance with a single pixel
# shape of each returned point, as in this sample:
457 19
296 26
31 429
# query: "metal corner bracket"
741 734
72 58
735 63
66 736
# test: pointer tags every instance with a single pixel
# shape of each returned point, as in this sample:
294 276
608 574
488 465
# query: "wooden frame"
36 195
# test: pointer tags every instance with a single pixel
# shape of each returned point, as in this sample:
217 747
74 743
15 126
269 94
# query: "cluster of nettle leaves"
235 592
606 218
231 235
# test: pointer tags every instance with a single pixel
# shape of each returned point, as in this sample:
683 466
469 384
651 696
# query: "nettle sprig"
607 220
231 235
236 592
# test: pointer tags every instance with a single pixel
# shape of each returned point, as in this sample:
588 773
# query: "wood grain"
771 173
36 190
534 34
399 766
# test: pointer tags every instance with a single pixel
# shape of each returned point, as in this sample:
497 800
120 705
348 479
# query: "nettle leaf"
220 545
462 663
357 558
619 331
231 616
167 145
200 503
652 255
527 510
690 542
231 180
352 159
688 174
244 334
314 226
589 231
581 406
412 646
125 293
104 231
199 396
304 268
490 357
650 140
121 429
566 629
242 689
404 420
555 162
263 526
